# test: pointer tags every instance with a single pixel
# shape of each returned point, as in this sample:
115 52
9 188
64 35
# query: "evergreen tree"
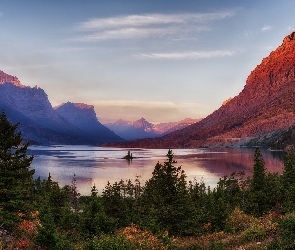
165 202
288 181
289 168
259 172
257 194
15 175
115 204
74 194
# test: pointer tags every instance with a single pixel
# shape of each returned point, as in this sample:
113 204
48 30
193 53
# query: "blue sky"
158 59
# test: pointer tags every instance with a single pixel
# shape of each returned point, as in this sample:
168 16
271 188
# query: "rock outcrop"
8 78
263 109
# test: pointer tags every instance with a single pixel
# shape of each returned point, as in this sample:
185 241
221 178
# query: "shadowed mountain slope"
84 118
41 124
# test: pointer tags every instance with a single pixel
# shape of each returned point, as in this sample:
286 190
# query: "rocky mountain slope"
143 129
258 115
39 122
84 118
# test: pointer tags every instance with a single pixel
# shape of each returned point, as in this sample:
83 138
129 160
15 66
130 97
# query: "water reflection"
99 165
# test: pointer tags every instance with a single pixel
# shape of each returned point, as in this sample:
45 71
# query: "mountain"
39 122
165 128
262 111
143 129
84 118
133 130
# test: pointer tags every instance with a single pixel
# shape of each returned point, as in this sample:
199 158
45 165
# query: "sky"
164 60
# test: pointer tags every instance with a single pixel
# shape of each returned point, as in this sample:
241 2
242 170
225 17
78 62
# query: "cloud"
266 28
124 33
152 19
147 25
188 55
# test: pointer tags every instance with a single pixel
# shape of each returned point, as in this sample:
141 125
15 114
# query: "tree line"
42 215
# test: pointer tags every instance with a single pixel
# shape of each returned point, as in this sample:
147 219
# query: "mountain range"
258 116
143 129
40 123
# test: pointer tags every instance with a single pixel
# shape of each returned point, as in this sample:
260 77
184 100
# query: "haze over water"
99 165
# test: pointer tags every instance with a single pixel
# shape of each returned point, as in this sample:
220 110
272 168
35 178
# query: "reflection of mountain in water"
99 165
226 161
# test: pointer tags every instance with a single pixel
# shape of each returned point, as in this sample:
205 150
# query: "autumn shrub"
143 239
239 221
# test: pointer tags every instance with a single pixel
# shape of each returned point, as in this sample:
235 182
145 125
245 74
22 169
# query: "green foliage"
118 200
255 232
50 198
15 176
288 181
288 176
259 172
287 229
94 220
165 201
217 245
257 193
109 242
74 195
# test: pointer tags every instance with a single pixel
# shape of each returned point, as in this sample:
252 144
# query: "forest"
165 212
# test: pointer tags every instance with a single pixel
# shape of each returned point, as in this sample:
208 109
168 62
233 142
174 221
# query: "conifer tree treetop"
15 175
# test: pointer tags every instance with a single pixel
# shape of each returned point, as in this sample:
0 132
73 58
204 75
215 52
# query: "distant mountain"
143 129
165 128
133 130
261 112
84 118
39 122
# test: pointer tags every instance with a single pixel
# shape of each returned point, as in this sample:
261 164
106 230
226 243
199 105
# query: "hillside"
258 114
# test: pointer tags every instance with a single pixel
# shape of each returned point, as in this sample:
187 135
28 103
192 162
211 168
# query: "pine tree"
288 181
74 194
259 172
15 175
257 193
289 168
164 202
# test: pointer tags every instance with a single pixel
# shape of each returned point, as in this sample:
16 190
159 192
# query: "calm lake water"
99 165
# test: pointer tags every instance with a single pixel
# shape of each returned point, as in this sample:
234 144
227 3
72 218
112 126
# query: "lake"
99 165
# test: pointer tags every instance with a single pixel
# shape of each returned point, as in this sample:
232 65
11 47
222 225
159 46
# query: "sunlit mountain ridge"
257 116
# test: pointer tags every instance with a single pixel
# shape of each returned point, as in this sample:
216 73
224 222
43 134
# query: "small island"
128 157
